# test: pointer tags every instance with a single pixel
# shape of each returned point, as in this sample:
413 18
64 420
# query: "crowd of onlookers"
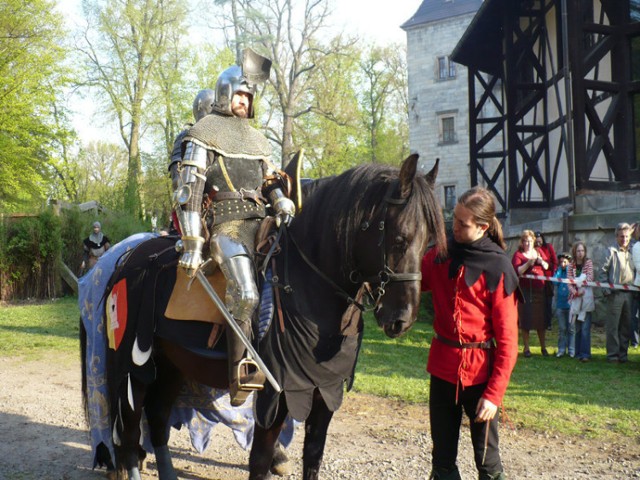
574 300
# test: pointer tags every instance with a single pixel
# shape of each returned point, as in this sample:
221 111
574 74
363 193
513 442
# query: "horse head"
392 243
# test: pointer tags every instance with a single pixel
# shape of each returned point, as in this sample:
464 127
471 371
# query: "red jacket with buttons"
471 314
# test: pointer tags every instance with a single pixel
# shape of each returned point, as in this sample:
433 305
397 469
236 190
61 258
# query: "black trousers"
446 416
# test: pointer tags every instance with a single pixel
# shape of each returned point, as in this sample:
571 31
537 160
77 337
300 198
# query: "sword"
238 331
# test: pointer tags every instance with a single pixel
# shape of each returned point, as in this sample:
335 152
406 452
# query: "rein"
384 276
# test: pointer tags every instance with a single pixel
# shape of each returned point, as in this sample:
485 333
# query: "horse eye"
400 240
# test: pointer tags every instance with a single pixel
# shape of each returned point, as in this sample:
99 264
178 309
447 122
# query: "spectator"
547 248
529 260
635 306
476 343
581 299
618 268
566 325
94 247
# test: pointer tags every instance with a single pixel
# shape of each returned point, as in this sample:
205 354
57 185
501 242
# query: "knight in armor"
94 247
225 166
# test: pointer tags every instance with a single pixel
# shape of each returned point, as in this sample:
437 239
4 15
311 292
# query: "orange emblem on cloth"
116 306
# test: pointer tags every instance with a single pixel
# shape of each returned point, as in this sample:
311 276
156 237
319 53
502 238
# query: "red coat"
471 314
519 259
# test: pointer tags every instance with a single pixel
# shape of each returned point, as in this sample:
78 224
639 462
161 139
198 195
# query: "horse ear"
407 174
433 173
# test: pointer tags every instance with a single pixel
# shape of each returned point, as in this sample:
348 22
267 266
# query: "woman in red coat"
529 260
475 346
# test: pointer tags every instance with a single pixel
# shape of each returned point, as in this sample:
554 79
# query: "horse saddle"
192 302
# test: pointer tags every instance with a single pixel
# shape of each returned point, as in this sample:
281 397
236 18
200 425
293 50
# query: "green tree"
289 32
32 77
384 103
102 174
333 142
124 47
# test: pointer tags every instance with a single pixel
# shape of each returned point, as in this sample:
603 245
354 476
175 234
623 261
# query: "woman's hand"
541 262
486 410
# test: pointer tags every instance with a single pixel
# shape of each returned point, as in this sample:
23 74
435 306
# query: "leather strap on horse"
339 291
488 345
214 336
276 291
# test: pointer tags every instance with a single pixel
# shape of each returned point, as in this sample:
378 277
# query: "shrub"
30 248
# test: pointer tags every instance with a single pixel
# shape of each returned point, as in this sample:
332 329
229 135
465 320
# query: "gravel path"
44 437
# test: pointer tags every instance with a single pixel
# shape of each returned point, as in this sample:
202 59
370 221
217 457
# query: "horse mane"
335 207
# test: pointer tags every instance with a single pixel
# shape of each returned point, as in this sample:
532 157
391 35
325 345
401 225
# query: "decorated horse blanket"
198 407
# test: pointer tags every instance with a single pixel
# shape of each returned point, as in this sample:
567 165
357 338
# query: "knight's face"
240 104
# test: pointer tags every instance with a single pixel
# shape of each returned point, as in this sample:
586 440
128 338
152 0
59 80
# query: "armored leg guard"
241 299
244 374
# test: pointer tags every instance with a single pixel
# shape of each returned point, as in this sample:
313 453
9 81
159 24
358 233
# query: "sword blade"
238 331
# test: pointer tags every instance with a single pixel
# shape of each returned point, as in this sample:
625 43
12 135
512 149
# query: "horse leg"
127 428
280 465
159 400
262 456
315 437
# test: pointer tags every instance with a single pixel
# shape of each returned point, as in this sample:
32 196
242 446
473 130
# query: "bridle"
385 274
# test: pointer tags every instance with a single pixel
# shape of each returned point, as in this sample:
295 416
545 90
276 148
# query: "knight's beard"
241 111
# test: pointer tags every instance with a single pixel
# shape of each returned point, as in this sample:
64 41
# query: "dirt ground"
44 437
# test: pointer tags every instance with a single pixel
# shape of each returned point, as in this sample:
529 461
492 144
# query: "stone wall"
430 97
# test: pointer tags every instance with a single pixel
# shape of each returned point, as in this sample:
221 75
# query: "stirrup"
241 388
253 379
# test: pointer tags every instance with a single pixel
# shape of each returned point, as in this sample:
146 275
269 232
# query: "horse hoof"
282 469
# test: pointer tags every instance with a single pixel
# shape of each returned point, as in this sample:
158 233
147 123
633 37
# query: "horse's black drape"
310 353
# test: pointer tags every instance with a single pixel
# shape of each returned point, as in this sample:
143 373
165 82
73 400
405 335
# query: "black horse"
358 239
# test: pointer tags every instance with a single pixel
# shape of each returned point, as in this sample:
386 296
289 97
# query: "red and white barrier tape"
584 283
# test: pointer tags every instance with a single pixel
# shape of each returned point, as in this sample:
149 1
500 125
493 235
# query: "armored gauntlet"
283 207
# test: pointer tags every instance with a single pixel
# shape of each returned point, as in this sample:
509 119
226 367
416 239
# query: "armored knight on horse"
224 167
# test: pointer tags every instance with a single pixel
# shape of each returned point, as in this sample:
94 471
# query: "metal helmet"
230 82
254 70
203 103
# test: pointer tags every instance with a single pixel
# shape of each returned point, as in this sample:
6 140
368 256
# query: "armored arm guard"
275 188
189 181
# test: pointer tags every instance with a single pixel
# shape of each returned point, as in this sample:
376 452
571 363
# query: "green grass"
34 329
553 395
546 394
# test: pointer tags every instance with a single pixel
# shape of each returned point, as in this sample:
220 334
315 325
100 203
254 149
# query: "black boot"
441 473
244 375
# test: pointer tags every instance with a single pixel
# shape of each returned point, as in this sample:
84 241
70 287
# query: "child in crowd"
581 298
566 324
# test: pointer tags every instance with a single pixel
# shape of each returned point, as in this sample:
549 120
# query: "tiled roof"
433 10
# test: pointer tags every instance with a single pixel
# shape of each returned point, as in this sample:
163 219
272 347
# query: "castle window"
449 197
447 128
446 68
